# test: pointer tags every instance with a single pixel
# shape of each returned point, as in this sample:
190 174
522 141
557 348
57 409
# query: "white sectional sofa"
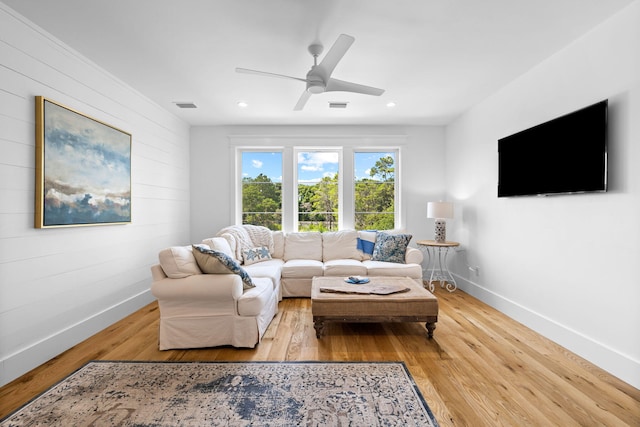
298 257
206 310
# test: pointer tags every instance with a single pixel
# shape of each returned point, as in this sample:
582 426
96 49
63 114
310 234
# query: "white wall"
564 265
422 170
59 286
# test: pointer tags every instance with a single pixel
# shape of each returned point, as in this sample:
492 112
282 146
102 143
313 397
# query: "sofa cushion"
344 267
305 268
178 262
381 268
214 262
254 255
303 246
278 244
390 247
219 244
254 300
271 269
340 245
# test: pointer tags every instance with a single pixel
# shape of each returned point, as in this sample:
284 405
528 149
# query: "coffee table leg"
431 326
318 324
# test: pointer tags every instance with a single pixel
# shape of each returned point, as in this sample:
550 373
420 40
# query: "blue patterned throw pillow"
203 255
391 247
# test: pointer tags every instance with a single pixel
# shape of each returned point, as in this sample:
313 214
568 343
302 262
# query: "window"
375 190
262 188
318 183
317 190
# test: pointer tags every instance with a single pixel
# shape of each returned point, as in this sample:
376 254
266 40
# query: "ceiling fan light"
315 87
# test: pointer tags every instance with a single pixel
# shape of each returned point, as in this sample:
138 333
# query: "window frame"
396 180
347 146
237 196
296 151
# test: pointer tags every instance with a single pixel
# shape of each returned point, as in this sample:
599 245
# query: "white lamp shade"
439 210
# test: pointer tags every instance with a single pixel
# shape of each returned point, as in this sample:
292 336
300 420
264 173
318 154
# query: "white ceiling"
435 58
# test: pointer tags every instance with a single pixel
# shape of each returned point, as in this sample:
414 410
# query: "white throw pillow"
254 255
340 245
178 262
219 244
303 246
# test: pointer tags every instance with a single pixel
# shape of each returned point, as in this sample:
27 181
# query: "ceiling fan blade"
335 54
335 85
264 73
303 100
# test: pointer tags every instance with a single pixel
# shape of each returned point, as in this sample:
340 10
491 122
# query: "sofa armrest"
413 256
157 273
215 287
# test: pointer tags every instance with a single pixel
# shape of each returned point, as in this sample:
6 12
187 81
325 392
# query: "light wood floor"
481 368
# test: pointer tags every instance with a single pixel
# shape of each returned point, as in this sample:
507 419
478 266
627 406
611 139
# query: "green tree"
383 169
305 203
375 197
325 201
262 202
318 205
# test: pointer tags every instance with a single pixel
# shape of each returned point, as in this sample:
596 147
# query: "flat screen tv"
562 156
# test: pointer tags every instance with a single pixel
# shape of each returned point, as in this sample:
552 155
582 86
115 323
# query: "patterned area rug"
231 394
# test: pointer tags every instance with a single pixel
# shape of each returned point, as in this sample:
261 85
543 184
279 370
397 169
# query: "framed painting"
83 169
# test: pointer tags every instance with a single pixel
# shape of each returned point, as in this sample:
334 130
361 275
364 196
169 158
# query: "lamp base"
441 231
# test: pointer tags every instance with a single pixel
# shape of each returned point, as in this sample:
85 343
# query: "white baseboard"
620 365
35 355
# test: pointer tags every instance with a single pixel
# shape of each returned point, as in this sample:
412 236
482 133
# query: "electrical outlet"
475 269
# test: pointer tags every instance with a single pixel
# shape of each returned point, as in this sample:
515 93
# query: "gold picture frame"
83 169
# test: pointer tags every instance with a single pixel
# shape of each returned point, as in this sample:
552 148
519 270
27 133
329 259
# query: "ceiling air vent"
186 105
338 104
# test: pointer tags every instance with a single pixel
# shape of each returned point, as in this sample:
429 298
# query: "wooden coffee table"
415 305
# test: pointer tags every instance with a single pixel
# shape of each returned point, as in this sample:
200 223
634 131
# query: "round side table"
439 268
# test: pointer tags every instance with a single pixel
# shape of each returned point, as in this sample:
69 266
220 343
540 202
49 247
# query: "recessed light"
242 104
391 104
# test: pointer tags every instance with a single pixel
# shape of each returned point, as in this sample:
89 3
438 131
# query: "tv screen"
562 156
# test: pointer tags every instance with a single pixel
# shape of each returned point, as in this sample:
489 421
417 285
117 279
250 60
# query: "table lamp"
440 211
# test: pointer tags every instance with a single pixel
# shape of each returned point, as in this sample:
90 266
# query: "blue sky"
312 165
365 161
256 163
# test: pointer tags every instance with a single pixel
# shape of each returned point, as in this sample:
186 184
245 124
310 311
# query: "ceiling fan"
319 78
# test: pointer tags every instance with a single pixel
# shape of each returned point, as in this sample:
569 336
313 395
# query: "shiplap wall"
59 286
